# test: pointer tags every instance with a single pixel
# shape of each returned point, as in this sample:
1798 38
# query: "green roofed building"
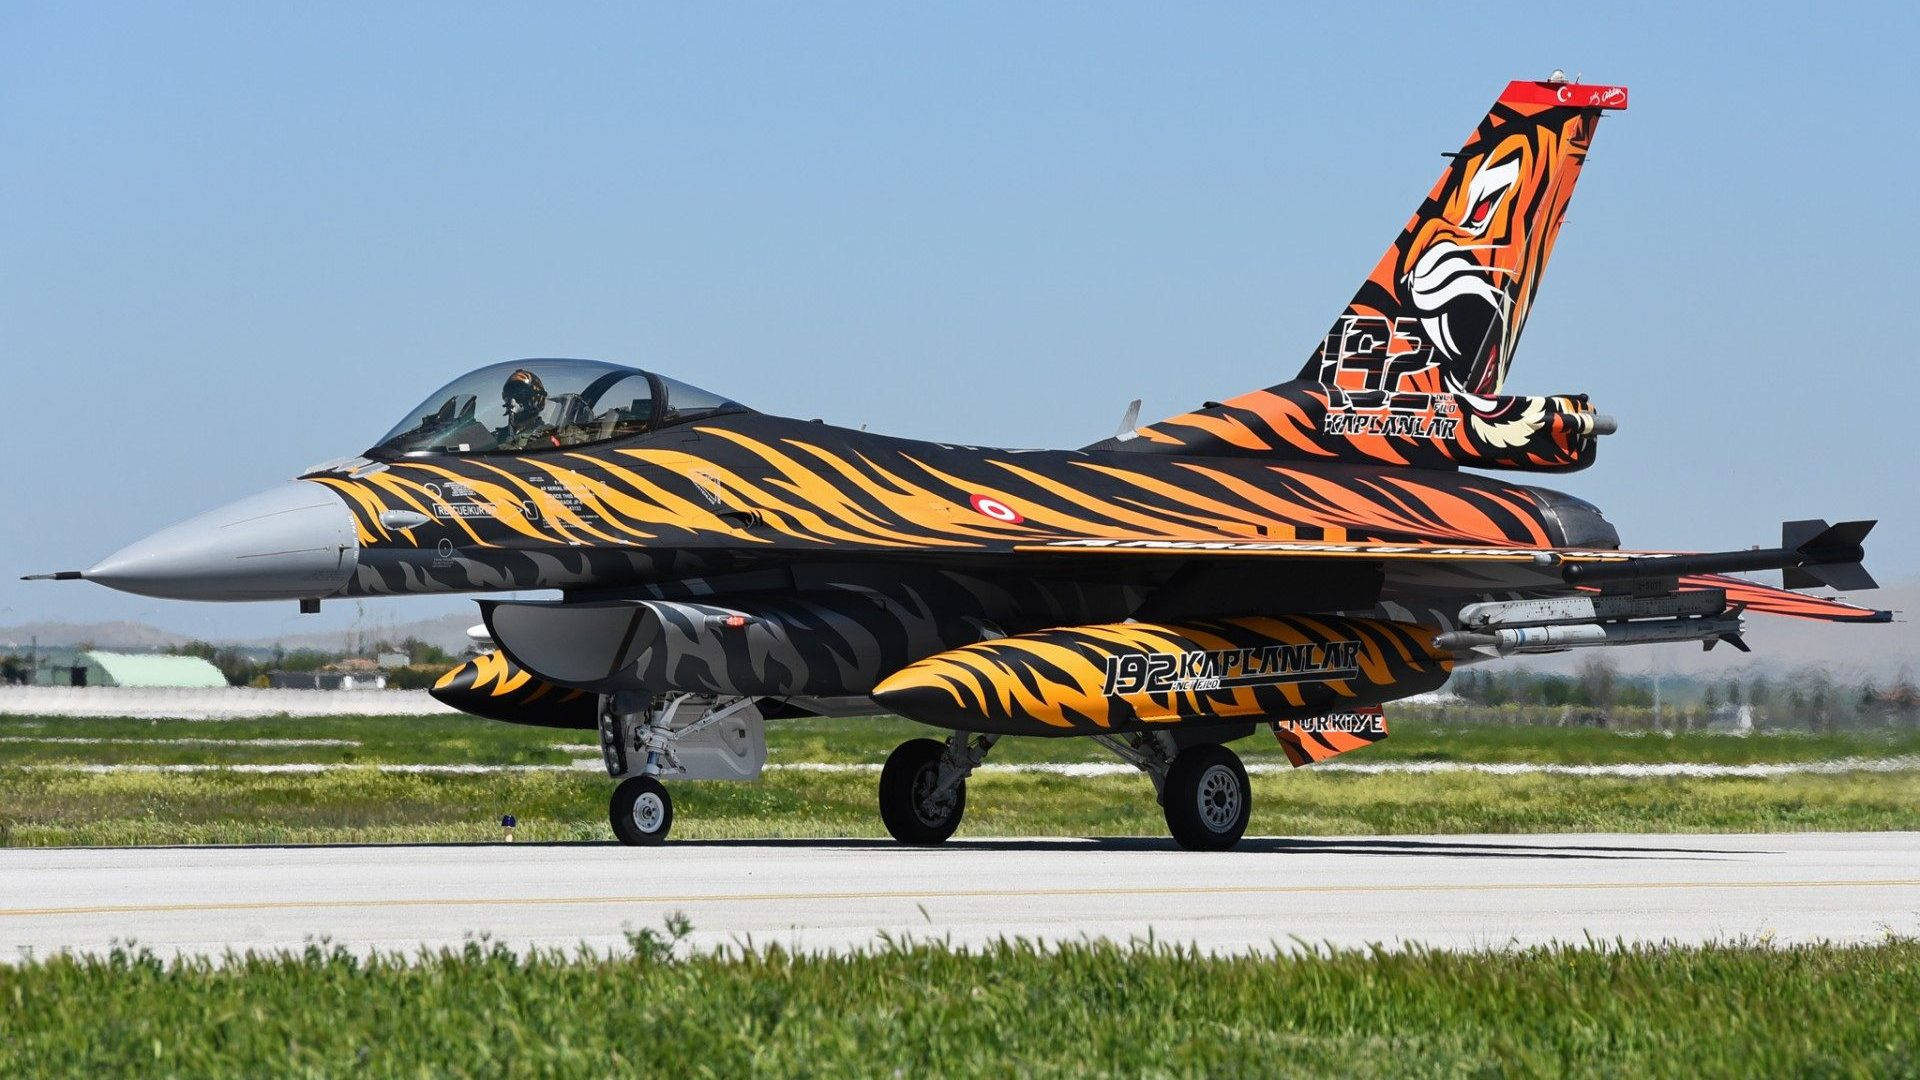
94 667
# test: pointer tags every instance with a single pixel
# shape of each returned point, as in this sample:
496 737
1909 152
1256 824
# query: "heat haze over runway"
1447 891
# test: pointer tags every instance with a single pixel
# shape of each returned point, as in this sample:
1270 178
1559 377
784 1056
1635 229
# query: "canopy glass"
531 405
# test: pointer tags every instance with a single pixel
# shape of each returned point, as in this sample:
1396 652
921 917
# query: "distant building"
97 667
479 642
1728 720
352 673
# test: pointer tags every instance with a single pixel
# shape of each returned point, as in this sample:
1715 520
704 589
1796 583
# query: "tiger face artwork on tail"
1459 281
1470 263
1412 370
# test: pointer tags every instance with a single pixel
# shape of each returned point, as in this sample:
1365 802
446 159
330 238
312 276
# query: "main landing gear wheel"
908 805
641 811
1207 798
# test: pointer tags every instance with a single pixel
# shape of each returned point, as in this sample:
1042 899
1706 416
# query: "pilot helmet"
524 394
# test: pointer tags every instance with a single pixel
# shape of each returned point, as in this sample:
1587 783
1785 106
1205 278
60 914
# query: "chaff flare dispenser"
1295 557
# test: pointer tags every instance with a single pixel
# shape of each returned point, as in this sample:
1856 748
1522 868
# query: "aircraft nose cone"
287 543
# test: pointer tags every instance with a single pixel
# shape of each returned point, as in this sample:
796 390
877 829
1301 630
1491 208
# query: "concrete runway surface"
1450 891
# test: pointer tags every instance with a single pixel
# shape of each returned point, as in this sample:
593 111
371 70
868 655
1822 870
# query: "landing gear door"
732 748
682 737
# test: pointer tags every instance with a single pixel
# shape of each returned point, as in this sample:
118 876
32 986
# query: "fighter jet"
1292 558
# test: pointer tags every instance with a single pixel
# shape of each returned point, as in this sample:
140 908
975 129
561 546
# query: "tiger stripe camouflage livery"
493 686
1296 556
1310 422
750 489
1120 677
1317 738
826 644
697 507
1411 372
1767 600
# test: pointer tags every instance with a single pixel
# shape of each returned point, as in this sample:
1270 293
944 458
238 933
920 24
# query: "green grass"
416 739
1005 1009
46 808
1414 735
1417 735
53 806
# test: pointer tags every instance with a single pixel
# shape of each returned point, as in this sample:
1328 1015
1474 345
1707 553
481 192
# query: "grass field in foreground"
1006 1009
44 808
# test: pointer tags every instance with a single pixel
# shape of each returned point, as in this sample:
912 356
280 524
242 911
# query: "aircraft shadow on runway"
1389 846
1415 847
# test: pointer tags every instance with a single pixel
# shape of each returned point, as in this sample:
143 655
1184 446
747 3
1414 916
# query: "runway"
1446 891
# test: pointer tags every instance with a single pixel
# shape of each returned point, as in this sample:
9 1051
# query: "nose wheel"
641 811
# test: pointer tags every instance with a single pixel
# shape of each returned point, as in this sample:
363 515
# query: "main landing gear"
1206 798
923 786
1203 788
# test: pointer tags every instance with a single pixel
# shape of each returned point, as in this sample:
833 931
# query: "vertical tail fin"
1411 373
1444 307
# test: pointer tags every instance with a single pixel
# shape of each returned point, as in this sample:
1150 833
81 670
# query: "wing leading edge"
1534 570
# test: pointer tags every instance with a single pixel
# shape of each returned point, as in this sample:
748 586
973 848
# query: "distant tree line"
1809 699
244 668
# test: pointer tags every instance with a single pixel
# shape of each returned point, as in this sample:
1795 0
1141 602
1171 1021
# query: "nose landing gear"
644 738
641 811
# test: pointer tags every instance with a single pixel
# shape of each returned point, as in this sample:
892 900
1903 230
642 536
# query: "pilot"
524 395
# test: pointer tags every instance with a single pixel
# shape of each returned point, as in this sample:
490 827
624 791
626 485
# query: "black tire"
1207 798
641 811
911 771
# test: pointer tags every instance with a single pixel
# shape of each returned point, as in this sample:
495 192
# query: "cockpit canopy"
528 405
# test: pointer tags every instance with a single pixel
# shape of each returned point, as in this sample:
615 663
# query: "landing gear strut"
923 786
1203 789
643 737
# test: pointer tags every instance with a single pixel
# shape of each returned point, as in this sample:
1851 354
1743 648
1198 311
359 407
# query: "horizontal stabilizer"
1540 572
1757 599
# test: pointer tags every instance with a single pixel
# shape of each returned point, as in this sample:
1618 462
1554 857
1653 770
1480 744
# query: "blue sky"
239 240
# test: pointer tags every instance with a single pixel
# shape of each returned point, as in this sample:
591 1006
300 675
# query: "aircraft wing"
1429 569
